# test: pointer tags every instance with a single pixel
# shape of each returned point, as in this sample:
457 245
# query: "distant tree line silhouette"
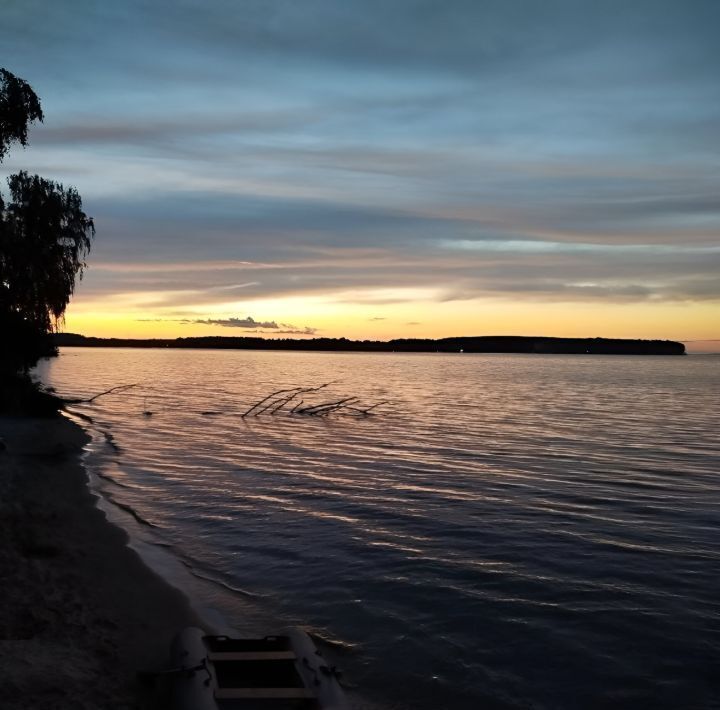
44 239
472 344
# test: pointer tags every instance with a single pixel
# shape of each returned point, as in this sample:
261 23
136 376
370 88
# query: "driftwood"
278 403
290 402
79 400
274 398
293 401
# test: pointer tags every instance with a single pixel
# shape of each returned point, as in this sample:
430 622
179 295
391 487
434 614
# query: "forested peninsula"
480 344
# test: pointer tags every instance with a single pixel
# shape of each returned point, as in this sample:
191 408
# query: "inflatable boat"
272 673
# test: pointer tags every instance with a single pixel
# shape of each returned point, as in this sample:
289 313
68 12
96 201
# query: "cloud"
299 331
235 322
251 325
367 152
521 269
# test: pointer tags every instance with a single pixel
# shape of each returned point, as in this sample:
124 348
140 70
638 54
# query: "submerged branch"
80 400
275 402
367 410
265 399
291 401
281 400
318 409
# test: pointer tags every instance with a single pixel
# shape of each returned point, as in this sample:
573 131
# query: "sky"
380 169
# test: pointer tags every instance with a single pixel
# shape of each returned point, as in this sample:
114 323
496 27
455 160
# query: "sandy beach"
80 613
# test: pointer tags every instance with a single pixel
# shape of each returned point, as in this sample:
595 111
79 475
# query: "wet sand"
80 613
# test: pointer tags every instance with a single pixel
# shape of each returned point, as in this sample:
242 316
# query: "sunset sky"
383 168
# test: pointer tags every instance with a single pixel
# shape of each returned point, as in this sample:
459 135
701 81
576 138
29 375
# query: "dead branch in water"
290 402
367 410
265 399
326 407
274 398
79 400
293 401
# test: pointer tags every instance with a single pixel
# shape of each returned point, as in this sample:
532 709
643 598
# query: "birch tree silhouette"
44 239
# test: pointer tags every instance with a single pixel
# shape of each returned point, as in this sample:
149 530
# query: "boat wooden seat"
264 694
215 656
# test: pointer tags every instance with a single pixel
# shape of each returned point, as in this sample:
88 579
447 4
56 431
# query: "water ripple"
514 532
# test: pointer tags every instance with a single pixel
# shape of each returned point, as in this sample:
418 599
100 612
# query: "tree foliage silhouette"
44 239
19 107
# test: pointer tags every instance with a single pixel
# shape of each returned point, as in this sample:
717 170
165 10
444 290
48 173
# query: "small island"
472 344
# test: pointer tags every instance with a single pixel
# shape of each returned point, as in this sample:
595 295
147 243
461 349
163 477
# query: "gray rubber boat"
271 673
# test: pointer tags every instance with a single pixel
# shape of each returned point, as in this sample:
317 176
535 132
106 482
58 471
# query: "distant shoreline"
480 344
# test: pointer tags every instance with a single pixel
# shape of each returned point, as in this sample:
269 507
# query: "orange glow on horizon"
408 319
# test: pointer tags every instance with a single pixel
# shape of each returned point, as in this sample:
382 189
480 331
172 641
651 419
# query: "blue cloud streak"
568 149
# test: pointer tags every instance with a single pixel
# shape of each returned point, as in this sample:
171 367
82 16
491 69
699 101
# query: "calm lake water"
509 531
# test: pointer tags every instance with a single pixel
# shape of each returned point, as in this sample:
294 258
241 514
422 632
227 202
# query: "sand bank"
80 613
